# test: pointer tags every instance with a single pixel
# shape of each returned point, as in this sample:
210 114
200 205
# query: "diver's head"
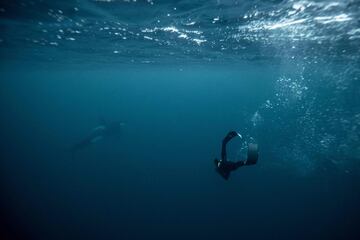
217 162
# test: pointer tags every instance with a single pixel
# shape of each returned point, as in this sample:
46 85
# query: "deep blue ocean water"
179 74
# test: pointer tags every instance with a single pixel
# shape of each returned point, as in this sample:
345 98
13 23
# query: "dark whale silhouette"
104 130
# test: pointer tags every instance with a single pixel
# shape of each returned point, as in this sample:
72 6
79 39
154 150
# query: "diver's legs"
223 151
227 167
227 138
237 164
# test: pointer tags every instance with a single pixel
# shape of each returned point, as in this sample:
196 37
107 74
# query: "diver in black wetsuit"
225 167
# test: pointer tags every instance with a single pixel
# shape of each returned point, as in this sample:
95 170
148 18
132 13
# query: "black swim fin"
253 154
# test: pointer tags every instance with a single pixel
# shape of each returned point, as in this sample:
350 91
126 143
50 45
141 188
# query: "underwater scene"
179 119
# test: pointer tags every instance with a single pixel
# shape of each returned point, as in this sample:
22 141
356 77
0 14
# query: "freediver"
225 167
104 130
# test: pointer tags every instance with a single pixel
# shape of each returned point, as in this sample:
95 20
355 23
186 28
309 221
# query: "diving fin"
253 154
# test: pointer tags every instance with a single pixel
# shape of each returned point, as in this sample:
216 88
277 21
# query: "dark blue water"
179 75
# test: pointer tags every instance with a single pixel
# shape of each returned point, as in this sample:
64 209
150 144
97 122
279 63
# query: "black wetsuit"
223 166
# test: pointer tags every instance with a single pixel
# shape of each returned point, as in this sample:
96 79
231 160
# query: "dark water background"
179 74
